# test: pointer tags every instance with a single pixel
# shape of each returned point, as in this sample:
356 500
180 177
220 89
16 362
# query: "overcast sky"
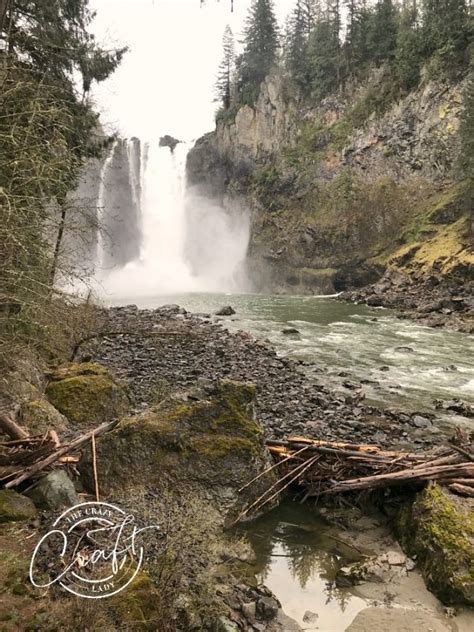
165 83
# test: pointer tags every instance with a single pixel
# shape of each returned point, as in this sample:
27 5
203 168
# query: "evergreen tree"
382 37
467 130
446 31
260 49
355 45
47 132
324 58
226 70
408 56
299 26
312 12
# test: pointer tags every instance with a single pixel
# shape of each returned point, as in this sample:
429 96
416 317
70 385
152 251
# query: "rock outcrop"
336 187
438 528
206 443
15 507
169 141
86 393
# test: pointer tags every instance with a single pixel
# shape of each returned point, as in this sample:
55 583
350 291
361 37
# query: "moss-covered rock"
14 506
86 393
213 443
138 605
39 416
438 528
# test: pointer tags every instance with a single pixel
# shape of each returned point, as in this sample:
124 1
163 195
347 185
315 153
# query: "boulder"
206 443
227 310
438 528
288 331
14 506
267 608
54 491
86 393
169 141
39 416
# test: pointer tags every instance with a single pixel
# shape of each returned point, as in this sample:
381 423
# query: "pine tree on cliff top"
225 75
467 130
382 37
260 48
296 38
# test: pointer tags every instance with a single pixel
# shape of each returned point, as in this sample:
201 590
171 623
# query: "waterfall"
101 208
186 243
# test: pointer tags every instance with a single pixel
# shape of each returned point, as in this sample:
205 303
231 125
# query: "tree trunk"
59 238
3 13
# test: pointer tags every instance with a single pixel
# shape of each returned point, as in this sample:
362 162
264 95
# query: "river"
399 363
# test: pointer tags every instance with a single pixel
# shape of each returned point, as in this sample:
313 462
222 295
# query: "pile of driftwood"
323 467
25 458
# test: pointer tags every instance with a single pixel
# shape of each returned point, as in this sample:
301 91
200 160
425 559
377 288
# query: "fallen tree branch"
52 458
11 428
144 334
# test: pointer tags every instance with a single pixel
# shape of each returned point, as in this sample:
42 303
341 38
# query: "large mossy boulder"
438 528
208 443
86 393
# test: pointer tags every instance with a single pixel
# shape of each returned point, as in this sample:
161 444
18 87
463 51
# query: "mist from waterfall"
187 242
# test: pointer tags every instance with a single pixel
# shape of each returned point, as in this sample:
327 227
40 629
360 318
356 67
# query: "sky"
165 84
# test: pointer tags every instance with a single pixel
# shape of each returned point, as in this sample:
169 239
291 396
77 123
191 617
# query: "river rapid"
394 362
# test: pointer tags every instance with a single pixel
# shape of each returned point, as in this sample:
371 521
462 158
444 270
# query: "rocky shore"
193 404
158 351
430 300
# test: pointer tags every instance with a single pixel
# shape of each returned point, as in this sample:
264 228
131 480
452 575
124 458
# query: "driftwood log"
345 467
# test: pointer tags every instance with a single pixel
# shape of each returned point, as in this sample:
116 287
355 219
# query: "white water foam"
163 266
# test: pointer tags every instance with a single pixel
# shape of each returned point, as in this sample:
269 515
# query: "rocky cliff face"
336 188
105 210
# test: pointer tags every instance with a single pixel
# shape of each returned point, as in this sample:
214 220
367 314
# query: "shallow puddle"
298 554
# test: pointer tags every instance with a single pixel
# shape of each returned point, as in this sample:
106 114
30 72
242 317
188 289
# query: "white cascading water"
101 206
163 266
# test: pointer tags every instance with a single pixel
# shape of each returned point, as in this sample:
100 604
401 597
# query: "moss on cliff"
438 238
438 528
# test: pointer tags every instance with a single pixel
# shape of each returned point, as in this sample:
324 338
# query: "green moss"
86 394
440 532
221 446
38 415
137 605
14 506
75 369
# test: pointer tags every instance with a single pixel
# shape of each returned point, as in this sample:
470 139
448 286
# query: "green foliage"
300 24
267 184
382 36
467 129
47 132
260 50
408 55
225 77
446 32
325 58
